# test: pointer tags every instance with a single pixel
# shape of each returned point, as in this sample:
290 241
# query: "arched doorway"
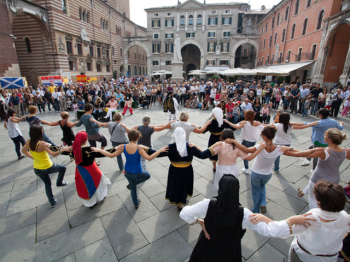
121 70
135 55
129 70
31 47
335 66
191 57
245 56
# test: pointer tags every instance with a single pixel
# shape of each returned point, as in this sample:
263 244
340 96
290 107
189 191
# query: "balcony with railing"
271 61
298 57
280 60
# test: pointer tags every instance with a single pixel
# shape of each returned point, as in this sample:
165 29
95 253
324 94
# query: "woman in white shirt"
262 167
322 241
212 95
284 133
13 130
225 223
258 91
56 98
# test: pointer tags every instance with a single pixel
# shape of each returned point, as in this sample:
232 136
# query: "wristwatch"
291 149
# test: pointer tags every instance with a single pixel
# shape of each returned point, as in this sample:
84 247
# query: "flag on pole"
11 82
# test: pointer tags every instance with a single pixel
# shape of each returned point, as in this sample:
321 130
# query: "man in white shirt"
246 105
303 94
202 92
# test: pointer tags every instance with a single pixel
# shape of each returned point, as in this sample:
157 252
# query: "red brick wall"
7 52
306 41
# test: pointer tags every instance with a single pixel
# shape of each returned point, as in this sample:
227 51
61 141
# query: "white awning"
215 69
281 69
239 71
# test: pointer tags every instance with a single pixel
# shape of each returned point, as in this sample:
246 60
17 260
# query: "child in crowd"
346 107
203 105
277 116
306 107
69 104
217 98
236 113
265 112
81 104
75 106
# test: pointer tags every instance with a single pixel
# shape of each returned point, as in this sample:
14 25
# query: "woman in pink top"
227 157
112 108
265 113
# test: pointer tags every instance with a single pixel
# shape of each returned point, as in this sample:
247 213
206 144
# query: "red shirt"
229 107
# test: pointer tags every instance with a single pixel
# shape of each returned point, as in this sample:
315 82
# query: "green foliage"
215 77
280 79
115 74
232 79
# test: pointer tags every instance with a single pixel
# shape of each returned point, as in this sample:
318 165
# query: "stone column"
344 76
176 66
125 65
318 75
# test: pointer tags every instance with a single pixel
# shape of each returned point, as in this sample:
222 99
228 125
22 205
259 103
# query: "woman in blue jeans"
39 151
133 170
262 167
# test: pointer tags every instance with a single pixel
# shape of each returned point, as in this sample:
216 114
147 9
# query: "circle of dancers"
318 234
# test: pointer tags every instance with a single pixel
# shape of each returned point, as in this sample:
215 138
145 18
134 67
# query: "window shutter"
152 23
214 46
213 62
230 21
166 48
158 23
172 22
208 34
153 48
228 47
208 20
158 48
223 20
222 46
208 47
171 48
216 20
207 62
166 23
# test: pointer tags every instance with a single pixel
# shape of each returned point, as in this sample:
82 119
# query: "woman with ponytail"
330 159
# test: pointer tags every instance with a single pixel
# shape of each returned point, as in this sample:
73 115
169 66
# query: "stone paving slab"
99 251
17 221
69 241
123 233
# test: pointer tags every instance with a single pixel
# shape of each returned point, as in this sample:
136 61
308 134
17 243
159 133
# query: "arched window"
190 20
287 13
83 15
308 3
293 32
29 49
270 42
199 19
262 29
274 42
260 45
135 70
88 17
264 43
182 20
266 27
283 35
79 13
296 7
319 19
278 19
304 27
106 25
273 22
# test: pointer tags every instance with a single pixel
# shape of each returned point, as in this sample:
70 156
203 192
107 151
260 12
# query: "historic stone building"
312 34
68 38
212 36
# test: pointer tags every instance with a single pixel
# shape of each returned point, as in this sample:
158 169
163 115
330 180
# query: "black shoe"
93 206
20 157
179 208
54 203
214 170
64 183
128 187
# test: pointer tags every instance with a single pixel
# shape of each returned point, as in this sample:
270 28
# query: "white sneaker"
245 171
305 163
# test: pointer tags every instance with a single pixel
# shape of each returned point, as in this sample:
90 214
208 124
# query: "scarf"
80 138
217 113
180 141
227 204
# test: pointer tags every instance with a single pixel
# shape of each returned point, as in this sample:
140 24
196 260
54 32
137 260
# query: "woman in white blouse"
322 241
225 222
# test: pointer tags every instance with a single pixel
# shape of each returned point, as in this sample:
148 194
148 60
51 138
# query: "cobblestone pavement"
114 231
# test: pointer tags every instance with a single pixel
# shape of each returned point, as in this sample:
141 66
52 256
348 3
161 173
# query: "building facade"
68 38
294 32
211 35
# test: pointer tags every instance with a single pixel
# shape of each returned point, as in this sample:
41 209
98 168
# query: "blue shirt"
14 100
319 130
119 96
295 92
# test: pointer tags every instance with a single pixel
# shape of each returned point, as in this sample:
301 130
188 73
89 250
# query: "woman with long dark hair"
225 221
39 151
284 133
14 132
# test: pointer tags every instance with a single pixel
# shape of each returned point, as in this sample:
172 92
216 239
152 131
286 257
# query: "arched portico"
242 42
140 44
192 42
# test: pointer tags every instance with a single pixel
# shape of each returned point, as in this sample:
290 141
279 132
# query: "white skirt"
225 170
100 194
